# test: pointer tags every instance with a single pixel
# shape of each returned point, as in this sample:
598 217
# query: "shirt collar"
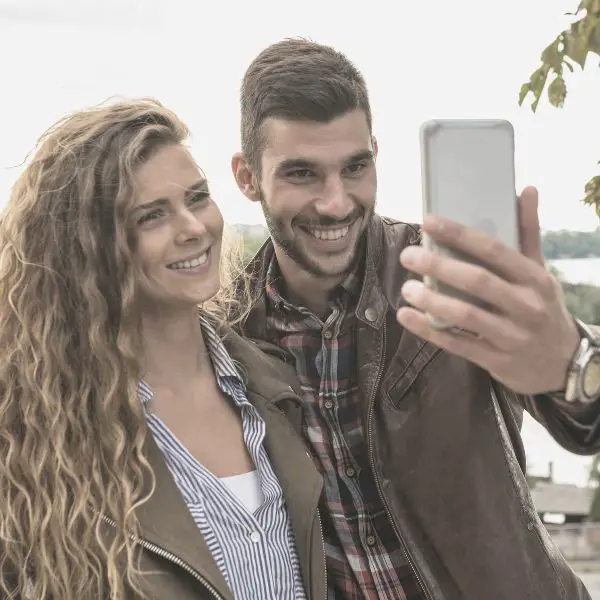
223 364
347 291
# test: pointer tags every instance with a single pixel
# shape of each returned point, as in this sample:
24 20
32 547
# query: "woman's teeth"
329 233
190 264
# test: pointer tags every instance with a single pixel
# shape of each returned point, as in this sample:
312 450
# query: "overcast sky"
422 60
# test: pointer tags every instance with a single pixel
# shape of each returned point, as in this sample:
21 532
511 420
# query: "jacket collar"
375 297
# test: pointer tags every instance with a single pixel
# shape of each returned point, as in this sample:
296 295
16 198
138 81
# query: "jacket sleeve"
575 426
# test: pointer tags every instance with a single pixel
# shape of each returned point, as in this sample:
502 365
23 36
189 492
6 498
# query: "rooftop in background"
561 498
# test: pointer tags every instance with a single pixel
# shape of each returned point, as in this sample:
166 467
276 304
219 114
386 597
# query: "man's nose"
334 200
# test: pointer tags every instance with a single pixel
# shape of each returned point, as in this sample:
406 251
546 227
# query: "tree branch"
573 46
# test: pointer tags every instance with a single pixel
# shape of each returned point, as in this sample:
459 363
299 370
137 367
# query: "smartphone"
468 175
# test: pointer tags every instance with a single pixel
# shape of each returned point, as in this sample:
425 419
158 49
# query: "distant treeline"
583 302
252 245
555 244
571 244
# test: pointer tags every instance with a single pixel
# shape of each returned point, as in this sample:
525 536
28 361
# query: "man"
416 431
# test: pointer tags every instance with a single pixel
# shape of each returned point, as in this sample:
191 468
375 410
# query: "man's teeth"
330 234
190 264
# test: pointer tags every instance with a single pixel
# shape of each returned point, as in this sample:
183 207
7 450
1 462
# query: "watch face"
590 377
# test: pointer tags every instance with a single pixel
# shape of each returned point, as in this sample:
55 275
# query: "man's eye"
355 168
300 174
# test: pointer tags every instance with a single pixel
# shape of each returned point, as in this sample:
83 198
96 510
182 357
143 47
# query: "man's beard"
294 251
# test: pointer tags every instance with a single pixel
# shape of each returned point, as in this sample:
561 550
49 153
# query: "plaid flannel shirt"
364 557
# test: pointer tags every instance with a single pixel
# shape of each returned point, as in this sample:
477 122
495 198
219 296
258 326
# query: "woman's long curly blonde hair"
72 429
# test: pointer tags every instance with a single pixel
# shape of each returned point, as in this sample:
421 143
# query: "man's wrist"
582 384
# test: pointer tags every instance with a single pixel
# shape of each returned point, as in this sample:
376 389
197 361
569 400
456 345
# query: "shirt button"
328 404
255 537
327 334
350 472
371 315
371 540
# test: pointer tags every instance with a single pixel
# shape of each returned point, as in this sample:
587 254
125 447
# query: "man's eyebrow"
296 163
363 155
199 186
304 163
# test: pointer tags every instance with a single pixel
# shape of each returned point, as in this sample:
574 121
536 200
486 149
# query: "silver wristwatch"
583 376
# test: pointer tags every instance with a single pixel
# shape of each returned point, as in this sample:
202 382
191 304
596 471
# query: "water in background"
541 449
579 270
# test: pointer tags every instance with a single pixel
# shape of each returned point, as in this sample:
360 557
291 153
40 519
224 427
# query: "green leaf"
592 186
591 6
557 92
535 85
576 46
594 39
551 56
525 89
538 80
592 193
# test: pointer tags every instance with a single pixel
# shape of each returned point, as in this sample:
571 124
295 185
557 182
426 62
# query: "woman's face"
178 230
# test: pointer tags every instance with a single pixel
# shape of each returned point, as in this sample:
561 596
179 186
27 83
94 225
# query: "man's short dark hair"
300 80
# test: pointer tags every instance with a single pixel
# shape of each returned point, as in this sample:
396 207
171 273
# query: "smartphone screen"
468 176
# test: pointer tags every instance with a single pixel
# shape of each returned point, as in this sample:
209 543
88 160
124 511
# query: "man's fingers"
511 264
529 225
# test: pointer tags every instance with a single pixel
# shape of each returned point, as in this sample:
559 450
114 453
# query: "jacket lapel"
297 475
267 386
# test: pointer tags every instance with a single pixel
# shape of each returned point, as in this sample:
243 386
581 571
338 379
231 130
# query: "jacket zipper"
322 534
323 545
407 554
170 557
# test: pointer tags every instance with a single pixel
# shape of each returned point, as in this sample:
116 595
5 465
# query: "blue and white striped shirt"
255 552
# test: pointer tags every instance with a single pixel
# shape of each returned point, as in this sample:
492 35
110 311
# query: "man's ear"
244 177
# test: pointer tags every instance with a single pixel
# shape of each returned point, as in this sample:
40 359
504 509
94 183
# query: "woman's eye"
151 216
200 197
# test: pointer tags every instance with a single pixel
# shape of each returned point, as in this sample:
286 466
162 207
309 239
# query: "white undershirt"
246 487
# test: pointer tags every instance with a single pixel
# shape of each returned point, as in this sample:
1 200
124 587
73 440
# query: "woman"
133 452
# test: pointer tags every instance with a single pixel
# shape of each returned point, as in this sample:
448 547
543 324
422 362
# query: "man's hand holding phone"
527 339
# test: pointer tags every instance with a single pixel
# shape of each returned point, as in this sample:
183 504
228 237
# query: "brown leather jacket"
445 447
174 556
